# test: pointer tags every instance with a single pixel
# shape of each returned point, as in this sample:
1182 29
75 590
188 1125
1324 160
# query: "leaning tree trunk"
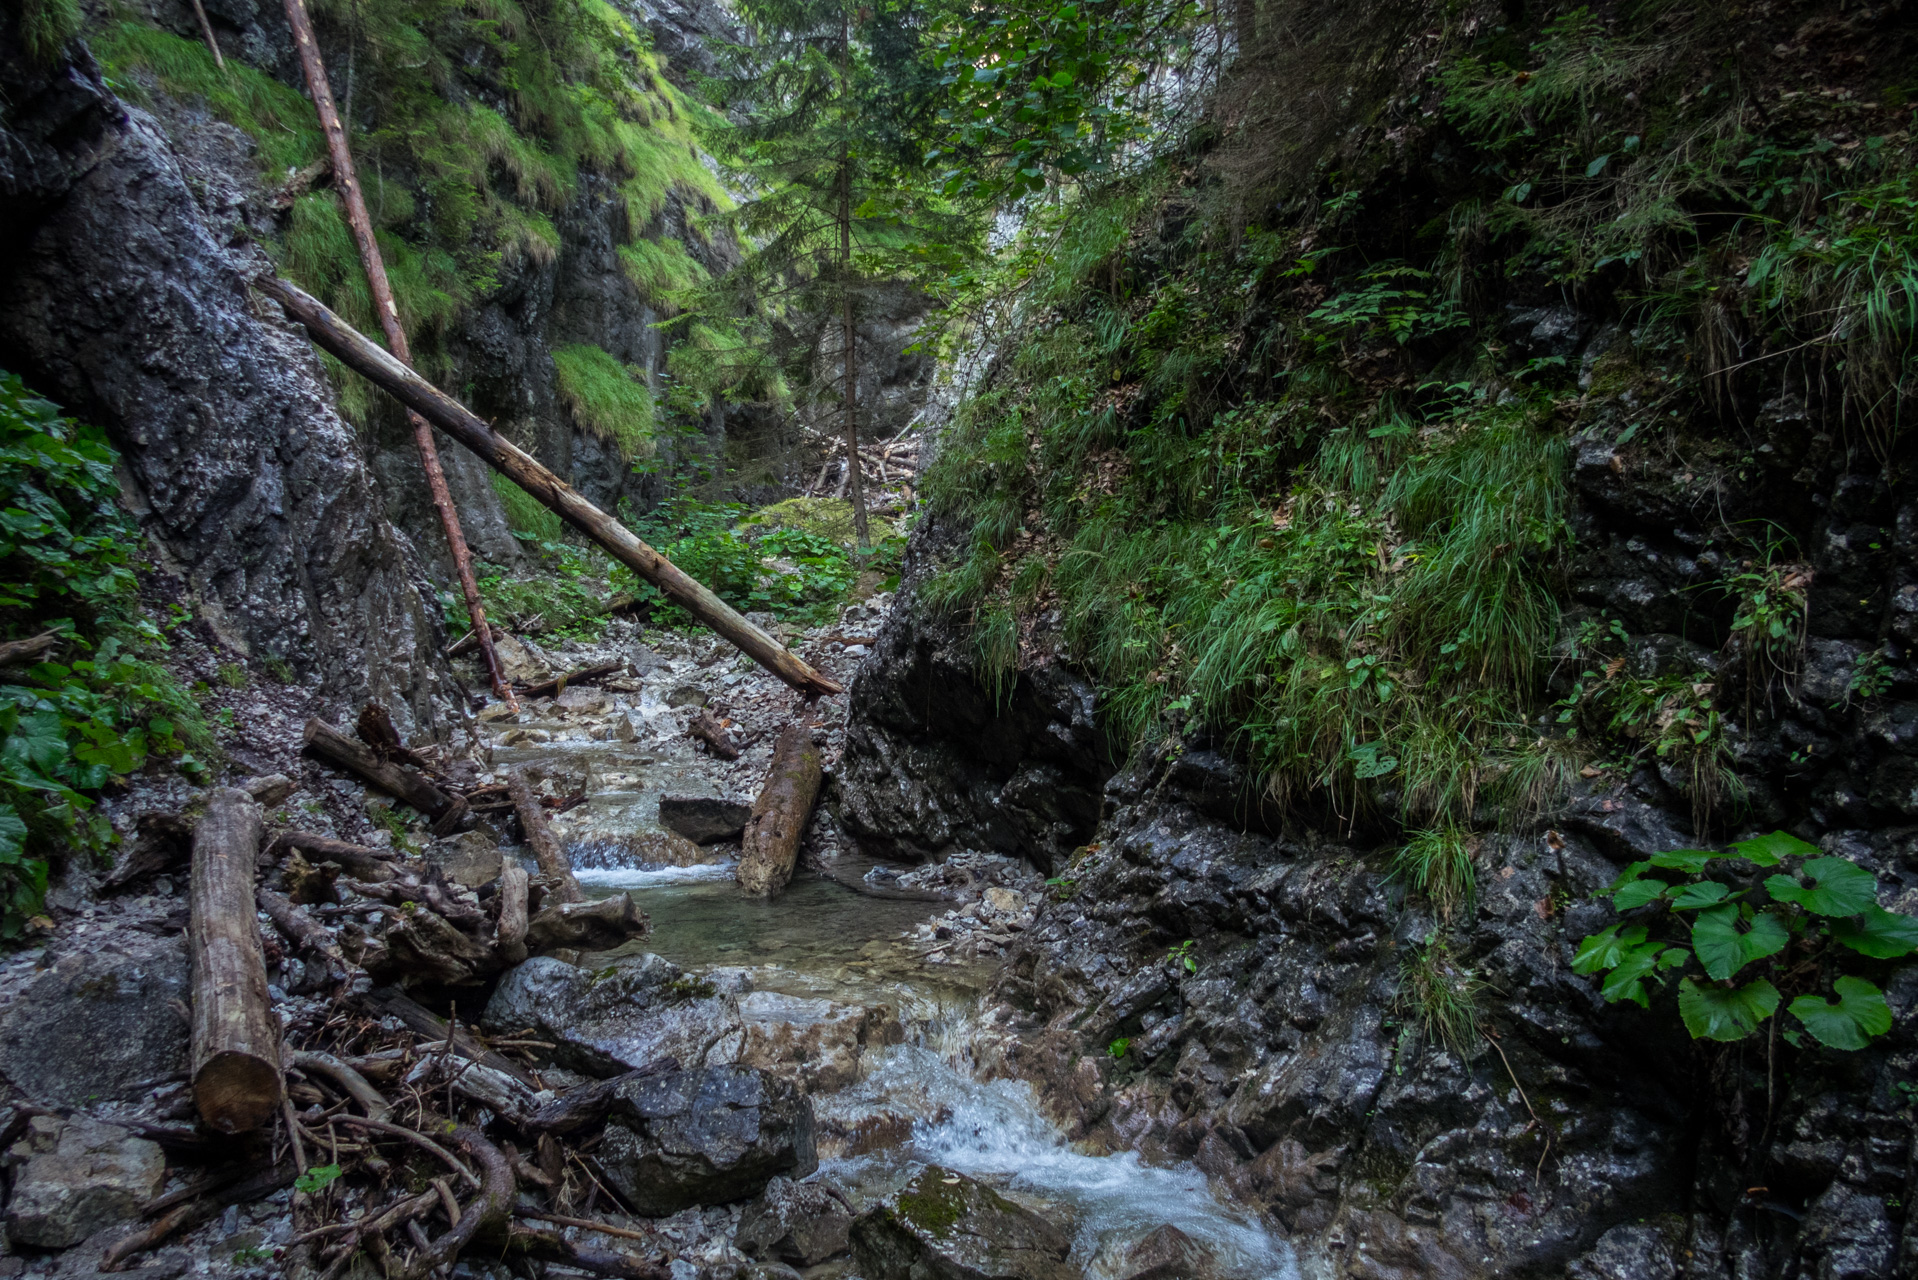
771 844
236 1037
367 358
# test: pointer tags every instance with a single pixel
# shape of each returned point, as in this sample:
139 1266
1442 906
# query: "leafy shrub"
1797 929
70 727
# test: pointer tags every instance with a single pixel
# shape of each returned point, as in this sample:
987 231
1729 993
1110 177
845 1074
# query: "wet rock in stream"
799 1222
705 1136
945 1226
704 819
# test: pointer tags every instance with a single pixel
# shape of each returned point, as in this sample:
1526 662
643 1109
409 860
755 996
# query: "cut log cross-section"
236 1037
771 843
375 363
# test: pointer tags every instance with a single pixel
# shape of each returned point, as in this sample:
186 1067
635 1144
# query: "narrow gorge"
1365 549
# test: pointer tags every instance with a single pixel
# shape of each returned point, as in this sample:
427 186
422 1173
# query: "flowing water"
822 940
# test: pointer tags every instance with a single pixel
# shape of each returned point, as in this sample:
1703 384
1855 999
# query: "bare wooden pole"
771 843
236 1038
206 29
369 359
347 184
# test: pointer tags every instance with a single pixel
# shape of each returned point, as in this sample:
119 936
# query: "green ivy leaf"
1638 893
1702 893
1690 861
1878 933
1839 888
1725 1013
1769 851
1608 949
1859 1014
1723 949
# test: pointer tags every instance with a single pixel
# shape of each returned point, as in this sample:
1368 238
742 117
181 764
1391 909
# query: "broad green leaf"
1725 1013
1627 981
1688 860
1607 949
316 1179
1701 893
1723 948
1878 933
1628 875
1638 893
1838 888
1769 851
1859 1014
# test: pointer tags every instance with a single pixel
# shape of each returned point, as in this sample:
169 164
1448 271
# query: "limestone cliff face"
123 296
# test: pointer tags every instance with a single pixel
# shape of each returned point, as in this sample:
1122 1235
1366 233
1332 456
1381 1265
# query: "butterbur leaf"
1691 861
1769 851
1674 958
1859 1014
1838 888
1607 949
1627 982
1628 875
1724 949
1638 893
1725 1013
1878 933
1703 893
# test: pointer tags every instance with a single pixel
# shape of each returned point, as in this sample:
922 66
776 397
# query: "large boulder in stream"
686 1138
641 1009
944 1226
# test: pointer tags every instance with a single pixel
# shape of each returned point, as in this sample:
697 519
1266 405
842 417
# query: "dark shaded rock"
800 1222
706 1136
1167 1254
704 819
75 1177
946 1226
123 297
99 1024
1638 1251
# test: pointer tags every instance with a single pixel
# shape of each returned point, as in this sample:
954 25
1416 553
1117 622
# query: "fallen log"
236 1037
14 653
540 839
495 1090
551 1246
706 727
360 861
367 358
588 1106
512 913
336 748
316 944
587 926
486 1213
558 684
355 1084
375 728
423 946
384 1002
771 843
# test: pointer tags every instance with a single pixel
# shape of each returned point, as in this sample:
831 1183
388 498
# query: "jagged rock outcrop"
123 296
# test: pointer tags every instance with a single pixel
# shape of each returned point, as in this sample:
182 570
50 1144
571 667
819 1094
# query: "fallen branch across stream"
373 362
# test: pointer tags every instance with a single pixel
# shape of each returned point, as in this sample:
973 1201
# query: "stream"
921 1097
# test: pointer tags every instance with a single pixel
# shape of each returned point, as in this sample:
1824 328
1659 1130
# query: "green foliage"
662 271
1751 937
1437 863
530 519
607 398
46 26
793 573
316 1179
1119 1048
1441 994
72 726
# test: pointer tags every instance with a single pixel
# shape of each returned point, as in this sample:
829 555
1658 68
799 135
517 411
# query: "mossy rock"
943 1224
827 517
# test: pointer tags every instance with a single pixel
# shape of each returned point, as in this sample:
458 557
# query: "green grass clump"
46 26
661 270
607 398
1441 994
1437 864
527 516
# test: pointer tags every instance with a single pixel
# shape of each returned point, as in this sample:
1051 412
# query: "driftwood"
191 1213
587 1106
316 944
558 684
236 1037
771 843
164 841
336 748
706 727
540 839
360 861
14 653
512 913
423 946
587 926
485 1214
367 358
551 1246
492 1089
375 728
387 1003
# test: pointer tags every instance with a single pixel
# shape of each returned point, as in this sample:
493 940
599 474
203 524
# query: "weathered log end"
236 1037
770 846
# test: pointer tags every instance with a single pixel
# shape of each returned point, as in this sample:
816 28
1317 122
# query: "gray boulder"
99 1024
801 1222
708 1136
1168 1254
78 1176
625 1016
704 819
944 1226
